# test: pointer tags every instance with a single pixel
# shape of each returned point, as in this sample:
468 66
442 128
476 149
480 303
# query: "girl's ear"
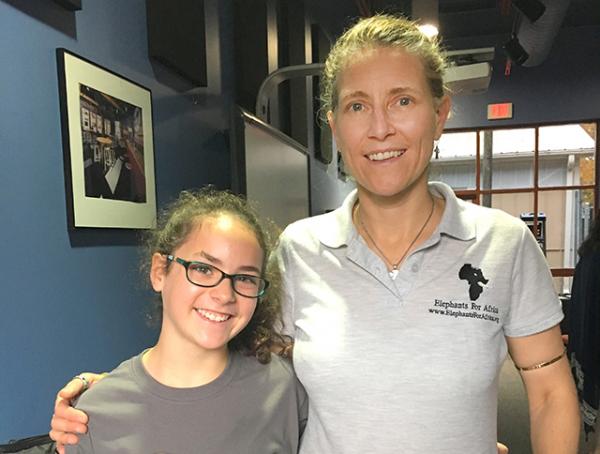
158 271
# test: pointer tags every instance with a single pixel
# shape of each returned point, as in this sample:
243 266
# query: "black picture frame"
108 150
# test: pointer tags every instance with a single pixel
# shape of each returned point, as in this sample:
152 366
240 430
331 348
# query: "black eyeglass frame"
186 264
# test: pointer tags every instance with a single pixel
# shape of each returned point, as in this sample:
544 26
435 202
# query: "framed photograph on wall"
108 146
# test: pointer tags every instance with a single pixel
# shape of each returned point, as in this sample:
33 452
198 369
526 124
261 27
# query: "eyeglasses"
205 275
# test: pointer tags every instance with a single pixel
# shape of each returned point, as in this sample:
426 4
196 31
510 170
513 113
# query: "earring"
436 150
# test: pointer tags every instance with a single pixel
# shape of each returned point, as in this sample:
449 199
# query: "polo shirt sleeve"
534 305
282 256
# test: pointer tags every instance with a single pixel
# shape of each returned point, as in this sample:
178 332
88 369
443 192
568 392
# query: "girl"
209 384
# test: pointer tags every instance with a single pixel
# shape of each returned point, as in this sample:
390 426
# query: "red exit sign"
500 111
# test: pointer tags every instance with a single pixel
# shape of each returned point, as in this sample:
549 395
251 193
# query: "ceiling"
459 19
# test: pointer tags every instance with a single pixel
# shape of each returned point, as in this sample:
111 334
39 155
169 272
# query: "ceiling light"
429 30
426 12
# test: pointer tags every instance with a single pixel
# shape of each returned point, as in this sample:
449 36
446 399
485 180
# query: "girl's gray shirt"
250 408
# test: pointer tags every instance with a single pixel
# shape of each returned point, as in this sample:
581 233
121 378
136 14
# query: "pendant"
394 273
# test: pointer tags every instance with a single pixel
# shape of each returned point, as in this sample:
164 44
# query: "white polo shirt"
410 365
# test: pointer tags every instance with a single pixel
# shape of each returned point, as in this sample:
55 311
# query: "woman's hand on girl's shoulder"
67 421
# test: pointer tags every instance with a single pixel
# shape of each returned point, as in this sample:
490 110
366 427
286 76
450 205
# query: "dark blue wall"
73 303
565 87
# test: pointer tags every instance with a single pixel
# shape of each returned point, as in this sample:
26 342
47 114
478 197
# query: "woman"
403 302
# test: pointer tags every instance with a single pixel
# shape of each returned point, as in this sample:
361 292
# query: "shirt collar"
336 229
457 220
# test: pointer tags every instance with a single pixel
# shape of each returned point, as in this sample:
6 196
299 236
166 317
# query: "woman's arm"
67 421
553 407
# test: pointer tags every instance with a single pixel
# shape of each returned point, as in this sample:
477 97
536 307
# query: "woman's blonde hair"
382 31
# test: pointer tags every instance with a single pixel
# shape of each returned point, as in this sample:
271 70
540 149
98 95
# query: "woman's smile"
385 155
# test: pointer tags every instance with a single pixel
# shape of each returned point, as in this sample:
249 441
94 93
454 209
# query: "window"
545 175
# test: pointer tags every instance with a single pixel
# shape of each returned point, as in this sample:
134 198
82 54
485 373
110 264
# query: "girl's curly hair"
187 212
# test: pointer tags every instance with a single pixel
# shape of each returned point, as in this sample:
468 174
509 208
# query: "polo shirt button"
415 268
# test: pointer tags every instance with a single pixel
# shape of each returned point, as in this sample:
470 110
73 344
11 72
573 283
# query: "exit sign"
500 111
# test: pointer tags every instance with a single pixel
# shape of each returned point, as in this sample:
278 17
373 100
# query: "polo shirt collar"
456 220
336 229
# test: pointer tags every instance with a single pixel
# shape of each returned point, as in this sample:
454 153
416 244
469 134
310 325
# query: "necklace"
394 271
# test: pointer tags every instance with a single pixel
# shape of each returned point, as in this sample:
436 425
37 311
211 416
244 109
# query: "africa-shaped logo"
475 278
